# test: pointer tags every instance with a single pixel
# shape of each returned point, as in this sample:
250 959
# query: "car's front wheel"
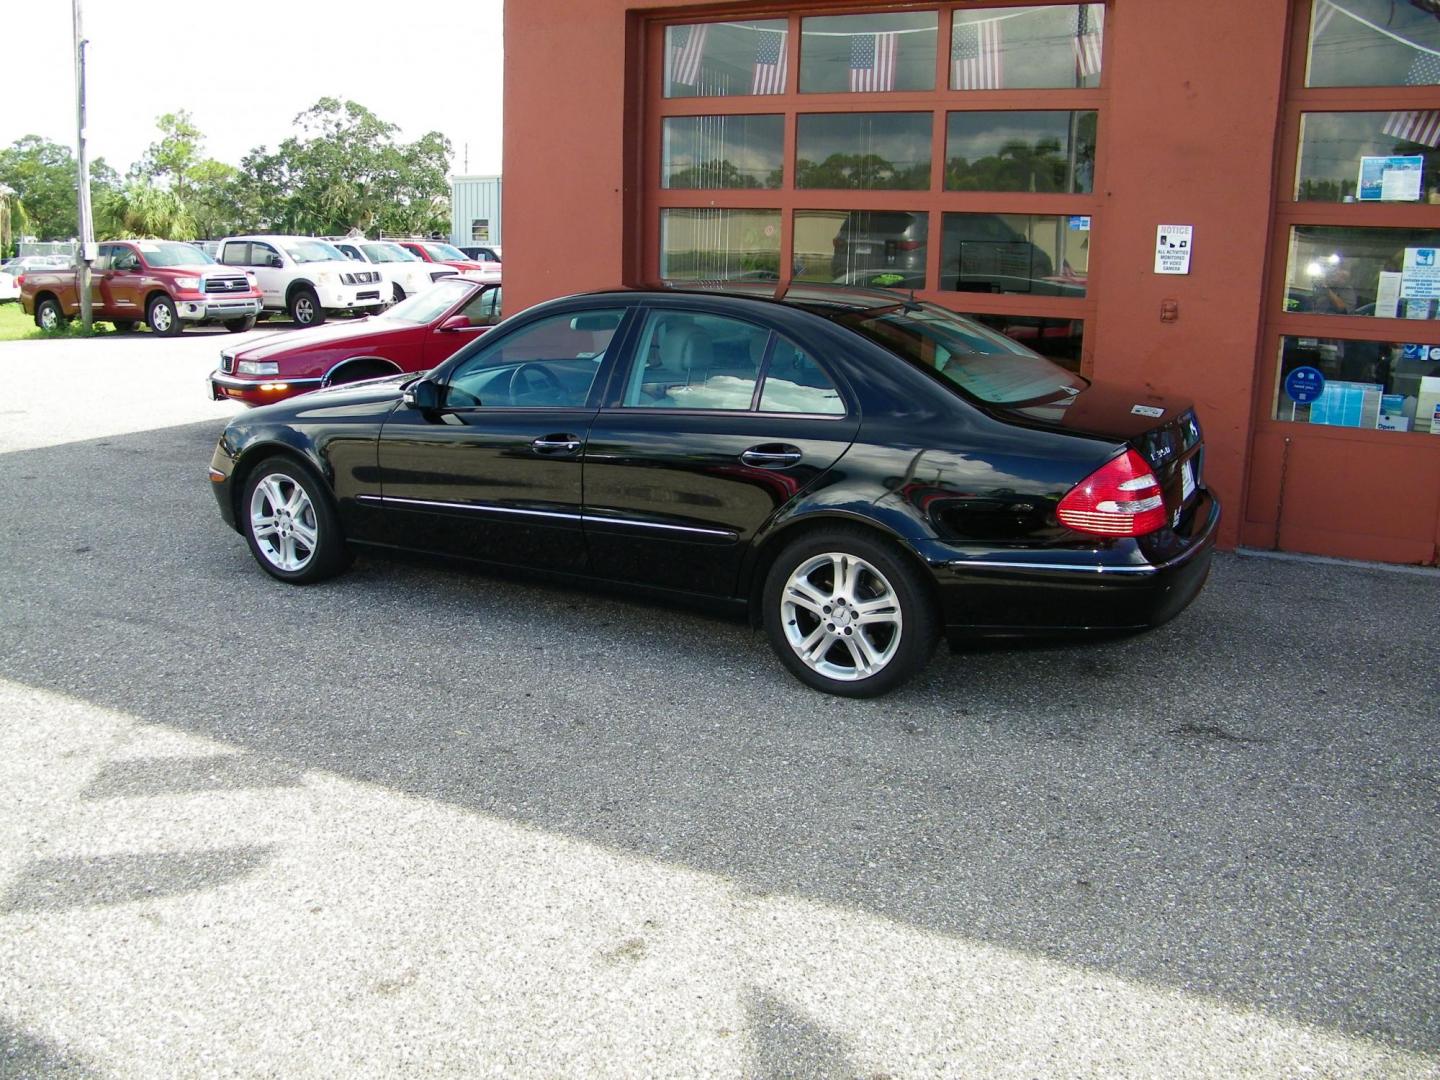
291 524
305 309
161 318
399 293
847 614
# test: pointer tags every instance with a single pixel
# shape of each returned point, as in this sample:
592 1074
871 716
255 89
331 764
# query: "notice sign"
1420 274
1390 179
1172 248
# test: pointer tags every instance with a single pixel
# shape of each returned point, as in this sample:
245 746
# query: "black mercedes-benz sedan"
862 472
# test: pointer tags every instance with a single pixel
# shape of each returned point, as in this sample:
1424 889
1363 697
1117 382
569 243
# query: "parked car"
432 251
9 287
486 253
304 277
860 472
407 273
414 335
164 284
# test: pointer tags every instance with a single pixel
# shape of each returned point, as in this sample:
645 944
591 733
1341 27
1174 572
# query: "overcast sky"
245 70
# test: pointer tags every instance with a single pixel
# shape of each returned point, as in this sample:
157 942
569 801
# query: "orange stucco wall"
1188 136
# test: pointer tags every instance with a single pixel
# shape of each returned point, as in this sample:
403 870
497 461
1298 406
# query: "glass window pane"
709 244
726 59
1372 43
690 360
722 152
1038 254
864 151
1336 270
1058 340
1379 385
549 364
868 53
1027 47
1333 147
862 247
795 383
1020 151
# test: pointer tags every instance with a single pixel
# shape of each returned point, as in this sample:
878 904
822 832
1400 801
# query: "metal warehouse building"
475 210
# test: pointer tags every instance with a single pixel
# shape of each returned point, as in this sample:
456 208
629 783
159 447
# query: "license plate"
861 249
1187 480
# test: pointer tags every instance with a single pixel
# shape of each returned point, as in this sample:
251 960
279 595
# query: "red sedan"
449 255
414 335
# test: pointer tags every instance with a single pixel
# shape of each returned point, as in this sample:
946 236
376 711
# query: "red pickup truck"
159 282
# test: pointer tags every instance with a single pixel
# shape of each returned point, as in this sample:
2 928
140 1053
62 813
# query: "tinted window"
548 364
795 383
688 360
236 253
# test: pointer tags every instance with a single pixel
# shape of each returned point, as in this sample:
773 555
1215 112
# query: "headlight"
259 367
347 279
187 282
325 277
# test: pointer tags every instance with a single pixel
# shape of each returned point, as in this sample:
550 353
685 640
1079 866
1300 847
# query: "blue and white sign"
1420 274
1304 385
1079 222
1390 179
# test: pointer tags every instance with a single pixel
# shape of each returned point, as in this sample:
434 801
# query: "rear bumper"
1130 587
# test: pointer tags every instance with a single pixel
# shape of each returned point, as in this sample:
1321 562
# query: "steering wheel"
530 379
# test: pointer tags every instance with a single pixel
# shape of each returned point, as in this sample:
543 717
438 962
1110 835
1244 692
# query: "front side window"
985 365
484 308
549 364
868 53
691 360
1051 47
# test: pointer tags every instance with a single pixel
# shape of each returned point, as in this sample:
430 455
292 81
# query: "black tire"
891 639
49 315
239 326
123 326
160 317
305 309
399 292
282 542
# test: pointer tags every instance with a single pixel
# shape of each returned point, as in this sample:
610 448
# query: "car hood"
284 342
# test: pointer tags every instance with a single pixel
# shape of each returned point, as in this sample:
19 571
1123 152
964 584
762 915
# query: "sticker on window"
1147 410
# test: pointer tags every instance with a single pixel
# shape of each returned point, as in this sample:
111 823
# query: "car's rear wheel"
124 326
305 309
48 315
160 317
239 326
847 614
291 524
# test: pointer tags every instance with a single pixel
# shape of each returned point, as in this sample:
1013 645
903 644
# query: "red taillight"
19 280
1121 498
909 245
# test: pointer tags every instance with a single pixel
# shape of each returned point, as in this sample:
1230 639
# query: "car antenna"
912 305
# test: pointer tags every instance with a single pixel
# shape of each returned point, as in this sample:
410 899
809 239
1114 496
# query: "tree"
347 170
43 175
177 192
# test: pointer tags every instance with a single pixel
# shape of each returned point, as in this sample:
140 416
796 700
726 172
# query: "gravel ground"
420 821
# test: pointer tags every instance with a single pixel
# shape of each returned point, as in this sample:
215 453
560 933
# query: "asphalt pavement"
424 821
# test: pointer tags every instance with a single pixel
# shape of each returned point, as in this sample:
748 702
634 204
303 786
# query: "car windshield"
427 306
985 364
309 251
388 253
445 251
168 253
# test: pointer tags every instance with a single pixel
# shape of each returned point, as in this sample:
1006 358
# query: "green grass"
15 325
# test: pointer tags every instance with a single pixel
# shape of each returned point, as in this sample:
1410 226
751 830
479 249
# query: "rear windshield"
986 365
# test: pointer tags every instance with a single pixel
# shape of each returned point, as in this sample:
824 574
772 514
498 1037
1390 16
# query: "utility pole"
87 226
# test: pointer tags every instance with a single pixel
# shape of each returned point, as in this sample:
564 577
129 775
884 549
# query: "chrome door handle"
556 444
771 457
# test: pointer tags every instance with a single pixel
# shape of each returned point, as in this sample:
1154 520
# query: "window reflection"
726 59
1390 273
1020 151
1027 47
1333 147
884 248
868 53
1059 340
1373 43
1042 255
864 151
1375 385
722 152
710 244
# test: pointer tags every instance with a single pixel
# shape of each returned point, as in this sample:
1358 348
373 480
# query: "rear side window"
235 254
692 360
984 364
795 383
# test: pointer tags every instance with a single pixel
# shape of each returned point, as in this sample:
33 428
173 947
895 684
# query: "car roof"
820 298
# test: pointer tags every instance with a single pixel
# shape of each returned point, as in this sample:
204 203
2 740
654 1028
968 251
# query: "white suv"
305 277
408 274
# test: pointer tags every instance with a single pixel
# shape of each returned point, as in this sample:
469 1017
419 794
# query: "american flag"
1422 125
1089 39
770 63
687 44
872 61
975 55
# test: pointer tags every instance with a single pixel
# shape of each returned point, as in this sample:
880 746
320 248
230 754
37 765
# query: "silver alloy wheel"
49 316
283 523
841 616
161 318
304 311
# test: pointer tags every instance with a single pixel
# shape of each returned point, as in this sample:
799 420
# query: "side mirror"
423 395
275 262
454 323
